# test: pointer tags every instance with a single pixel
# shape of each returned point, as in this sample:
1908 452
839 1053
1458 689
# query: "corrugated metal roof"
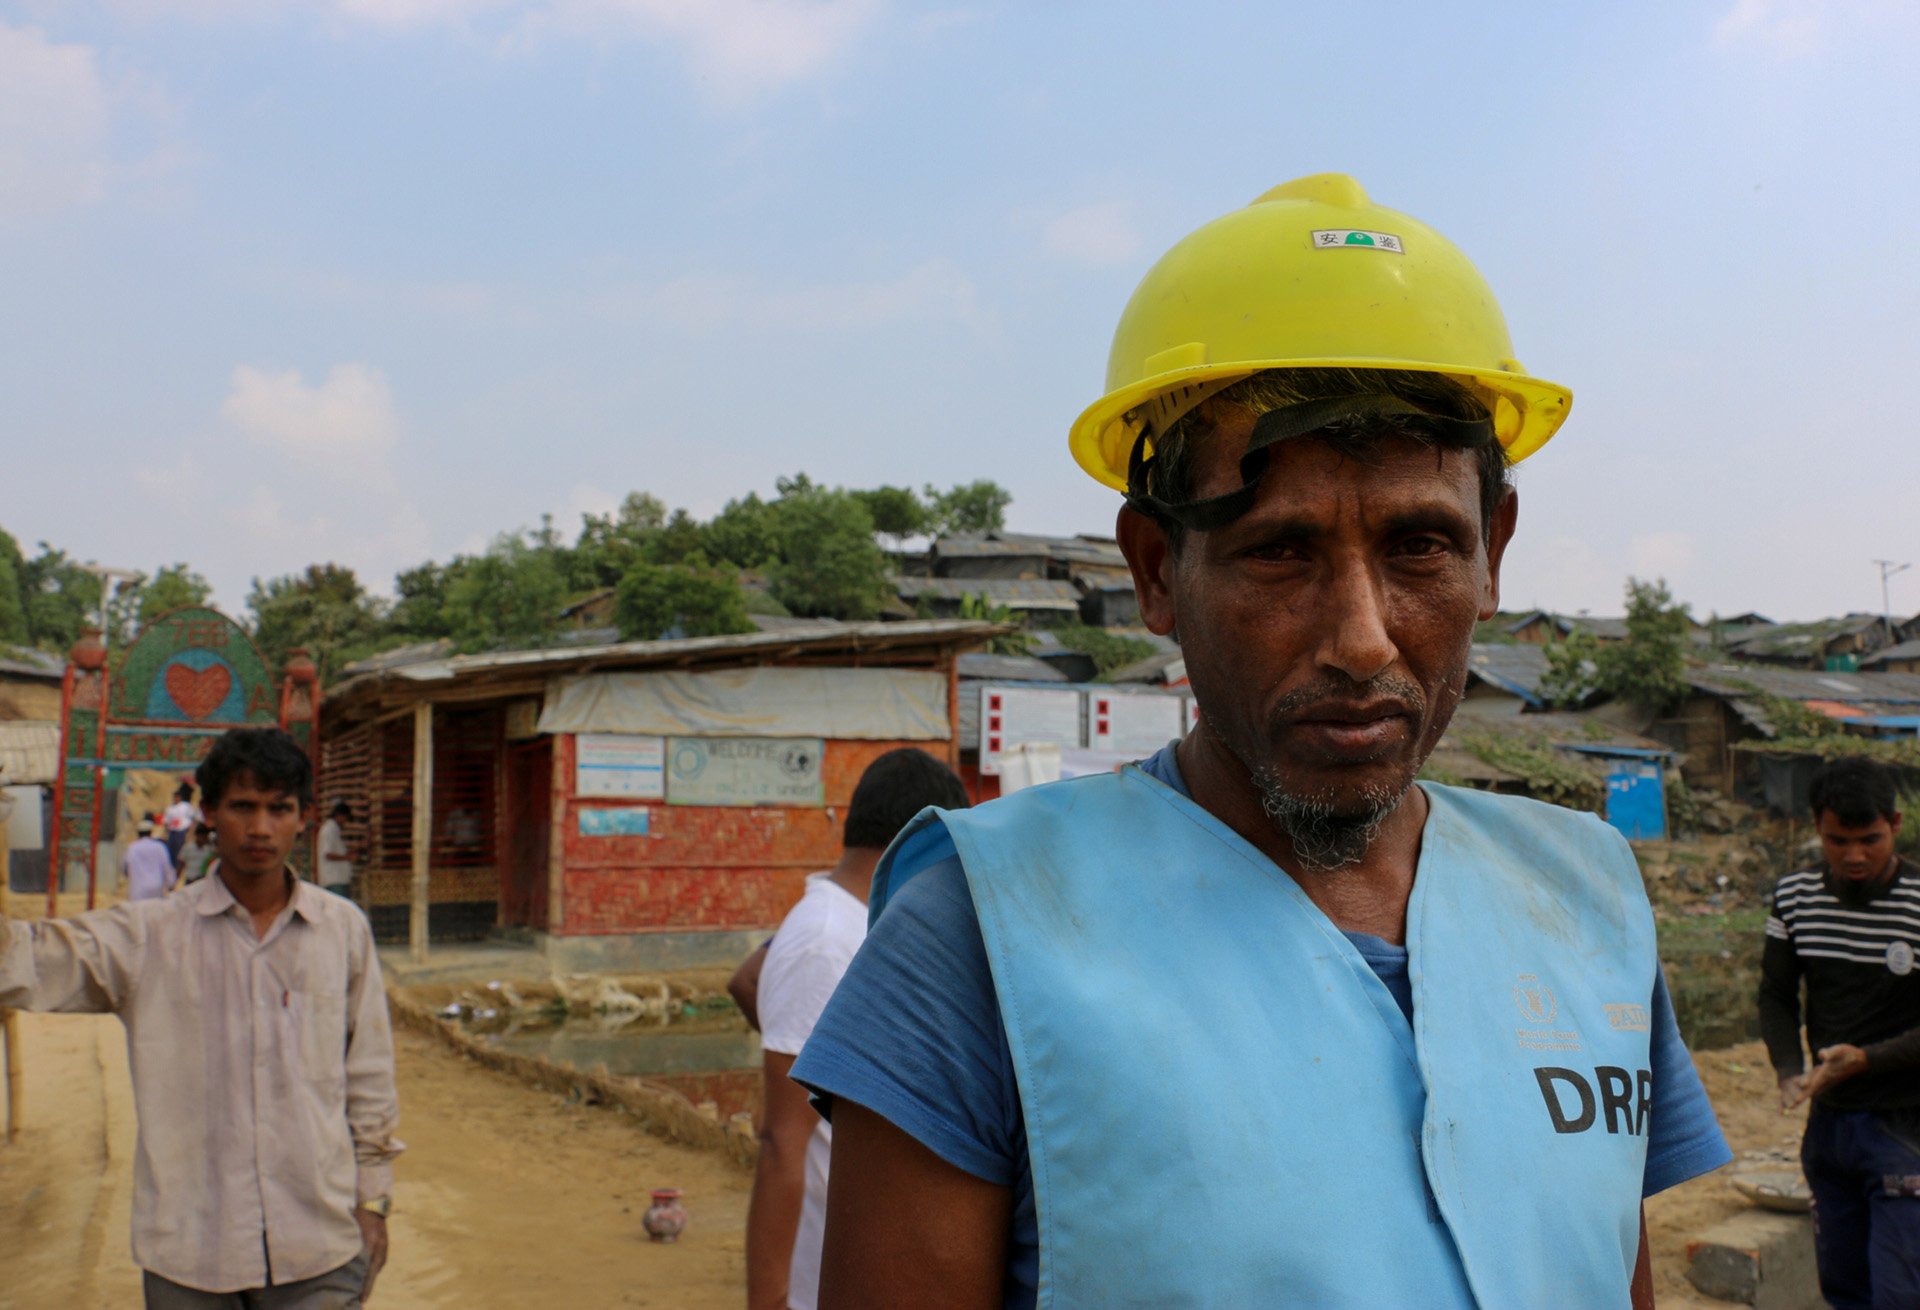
1149 669
1800 639
1014 593
25 662
29 752
1742 680
1906 650
823 637
1078 550
1008 668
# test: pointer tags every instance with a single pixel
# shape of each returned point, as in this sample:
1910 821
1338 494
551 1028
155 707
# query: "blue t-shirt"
914 1034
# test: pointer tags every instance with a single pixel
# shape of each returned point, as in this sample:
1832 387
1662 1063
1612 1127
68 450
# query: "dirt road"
513 1197
509 1196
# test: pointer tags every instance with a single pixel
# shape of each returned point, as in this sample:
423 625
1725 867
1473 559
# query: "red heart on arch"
198 692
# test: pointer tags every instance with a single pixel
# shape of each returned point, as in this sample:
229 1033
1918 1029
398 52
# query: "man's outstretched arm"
904 1227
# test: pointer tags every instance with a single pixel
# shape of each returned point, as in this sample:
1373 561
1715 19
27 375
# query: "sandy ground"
511 1196
508 1196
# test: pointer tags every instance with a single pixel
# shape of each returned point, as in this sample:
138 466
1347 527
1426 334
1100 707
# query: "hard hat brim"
1526 411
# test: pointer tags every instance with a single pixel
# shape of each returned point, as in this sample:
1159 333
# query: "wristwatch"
380 1205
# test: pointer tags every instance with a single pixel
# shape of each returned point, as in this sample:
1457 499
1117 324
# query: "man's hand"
1837 1064
373 1236
1792 1090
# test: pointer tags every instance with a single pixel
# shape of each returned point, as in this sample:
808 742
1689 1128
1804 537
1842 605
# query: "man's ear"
1505 519
1150 556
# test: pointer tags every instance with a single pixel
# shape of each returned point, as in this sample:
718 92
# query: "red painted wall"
700 866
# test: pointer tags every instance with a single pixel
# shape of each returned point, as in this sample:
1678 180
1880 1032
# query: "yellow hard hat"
1310 275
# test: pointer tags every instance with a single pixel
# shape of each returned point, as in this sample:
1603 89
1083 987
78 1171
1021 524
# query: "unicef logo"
1900 959
689 761
797 761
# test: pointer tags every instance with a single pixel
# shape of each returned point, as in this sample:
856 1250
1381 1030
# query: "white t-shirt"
810 953
181 816
336 870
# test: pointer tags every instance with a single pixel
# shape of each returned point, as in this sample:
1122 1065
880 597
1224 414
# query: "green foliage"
826 562
979 609
1550 773
324 610
688 599
60 598
174 587
1649 668
610 544
896 512
1110 650
1572 671
13 609
1793 720
743 533
979 506
419 610
506 599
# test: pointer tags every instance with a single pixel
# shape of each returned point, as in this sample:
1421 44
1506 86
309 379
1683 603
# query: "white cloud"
1095 234
346 423
56 119
1799 27
1666 555
701 304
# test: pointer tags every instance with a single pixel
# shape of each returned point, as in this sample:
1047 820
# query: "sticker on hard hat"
1341 238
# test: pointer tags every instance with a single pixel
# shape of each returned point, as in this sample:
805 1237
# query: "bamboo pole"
422 829
9 1021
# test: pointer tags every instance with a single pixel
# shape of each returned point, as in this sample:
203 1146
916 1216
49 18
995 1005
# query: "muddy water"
704 1058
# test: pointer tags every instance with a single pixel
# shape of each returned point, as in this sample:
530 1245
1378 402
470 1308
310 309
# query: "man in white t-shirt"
336 864
816 941
179 819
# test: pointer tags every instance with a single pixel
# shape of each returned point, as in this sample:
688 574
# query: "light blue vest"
1225 1107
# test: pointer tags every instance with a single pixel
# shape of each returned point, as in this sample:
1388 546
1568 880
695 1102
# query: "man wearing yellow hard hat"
1260 1021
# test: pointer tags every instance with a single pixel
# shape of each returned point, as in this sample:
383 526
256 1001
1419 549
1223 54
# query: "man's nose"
1354 619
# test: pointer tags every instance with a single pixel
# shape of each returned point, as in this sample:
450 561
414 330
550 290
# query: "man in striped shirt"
1851 928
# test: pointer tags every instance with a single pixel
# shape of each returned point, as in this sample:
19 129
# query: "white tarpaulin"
848 704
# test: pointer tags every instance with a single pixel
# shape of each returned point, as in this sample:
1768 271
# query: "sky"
368 281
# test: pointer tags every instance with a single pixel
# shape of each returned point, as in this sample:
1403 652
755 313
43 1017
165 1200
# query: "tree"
174 587
13 608
610 544
742 533
419 610
896 512
1649 668
979 506
1110 650
826 562
978 609
60 598
324 610
506 599
689 599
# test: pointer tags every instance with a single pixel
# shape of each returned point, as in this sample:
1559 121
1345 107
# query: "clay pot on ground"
665 1218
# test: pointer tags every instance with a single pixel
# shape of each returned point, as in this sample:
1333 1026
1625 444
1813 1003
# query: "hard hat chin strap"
1282 424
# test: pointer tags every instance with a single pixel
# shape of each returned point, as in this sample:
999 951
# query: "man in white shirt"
180 817
336 863
816 941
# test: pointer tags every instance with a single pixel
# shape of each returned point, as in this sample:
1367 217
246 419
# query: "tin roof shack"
1730 705
1503 680
1833 645
1033 598
30 685
1019 555
1904 658
1572 758
633 804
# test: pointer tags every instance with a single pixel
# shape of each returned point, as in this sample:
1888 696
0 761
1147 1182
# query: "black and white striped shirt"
1860 959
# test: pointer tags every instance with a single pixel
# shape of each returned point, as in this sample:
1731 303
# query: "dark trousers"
1866 1211
338 1289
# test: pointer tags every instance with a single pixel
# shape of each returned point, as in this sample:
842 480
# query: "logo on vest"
1538 1006
1626 1018
1619 1096
1899 959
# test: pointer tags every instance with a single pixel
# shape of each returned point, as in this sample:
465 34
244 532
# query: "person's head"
202 834
1312 410
144 828
340 811
1856 810
184 792
894 788
257 792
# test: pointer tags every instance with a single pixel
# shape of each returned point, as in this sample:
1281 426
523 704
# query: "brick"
1759 1259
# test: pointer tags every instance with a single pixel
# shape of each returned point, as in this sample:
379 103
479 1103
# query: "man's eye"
1420 547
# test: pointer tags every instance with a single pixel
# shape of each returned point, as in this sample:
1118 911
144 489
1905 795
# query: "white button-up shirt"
262 1072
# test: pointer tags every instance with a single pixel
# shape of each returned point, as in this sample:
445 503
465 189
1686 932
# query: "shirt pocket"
320 1035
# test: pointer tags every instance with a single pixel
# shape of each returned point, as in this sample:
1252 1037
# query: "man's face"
1857 854
257 828
1326 631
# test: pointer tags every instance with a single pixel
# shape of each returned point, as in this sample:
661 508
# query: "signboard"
158 748
616 764
194 666
627 821
1012 716
1133 725
745 771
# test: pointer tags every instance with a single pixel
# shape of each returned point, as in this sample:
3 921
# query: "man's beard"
1326 839
1327 836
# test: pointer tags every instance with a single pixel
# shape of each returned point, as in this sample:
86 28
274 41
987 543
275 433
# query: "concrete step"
1759 1259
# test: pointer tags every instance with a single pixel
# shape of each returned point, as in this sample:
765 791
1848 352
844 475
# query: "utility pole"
1887 569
